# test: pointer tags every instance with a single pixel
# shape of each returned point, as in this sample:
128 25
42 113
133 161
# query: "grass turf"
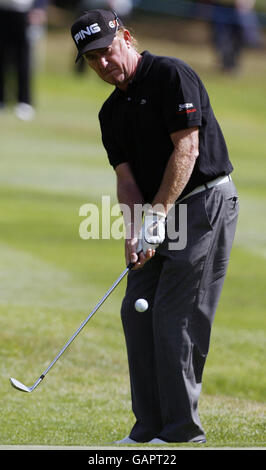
50 279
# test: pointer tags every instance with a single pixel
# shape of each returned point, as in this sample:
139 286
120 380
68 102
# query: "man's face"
114 64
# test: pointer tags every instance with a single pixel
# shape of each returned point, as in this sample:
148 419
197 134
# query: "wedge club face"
19 386
23 388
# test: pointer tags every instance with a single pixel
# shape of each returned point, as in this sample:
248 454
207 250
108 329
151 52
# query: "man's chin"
117 80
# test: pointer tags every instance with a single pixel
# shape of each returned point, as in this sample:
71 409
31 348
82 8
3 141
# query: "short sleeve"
114 152
181 101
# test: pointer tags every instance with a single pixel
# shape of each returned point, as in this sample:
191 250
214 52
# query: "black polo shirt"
165 96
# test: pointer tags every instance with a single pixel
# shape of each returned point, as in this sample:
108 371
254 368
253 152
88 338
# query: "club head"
19 386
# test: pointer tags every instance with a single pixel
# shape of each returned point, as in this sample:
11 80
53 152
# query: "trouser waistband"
208 185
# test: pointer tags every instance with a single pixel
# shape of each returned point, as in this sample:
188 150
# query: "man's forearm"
175 179
178 170
129 196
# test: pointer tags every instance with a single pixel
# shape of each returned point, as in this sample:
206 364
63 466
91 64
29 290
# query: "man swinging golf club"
165 145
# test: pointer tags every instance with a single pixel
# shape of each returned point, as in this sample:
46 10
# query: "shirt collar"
141 72
143 66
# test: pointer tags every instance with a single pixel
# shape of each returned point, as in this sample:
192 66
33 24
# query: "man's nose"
102 62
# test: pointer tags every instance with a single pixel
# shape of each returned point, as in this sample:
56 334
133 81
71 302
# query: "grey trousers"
168 344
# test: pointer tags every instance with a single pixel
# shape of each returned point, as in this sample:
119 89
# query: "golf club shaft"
83 324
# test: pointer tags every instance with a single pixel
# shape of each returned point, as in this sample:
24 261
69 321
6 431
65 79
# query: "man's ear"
127 37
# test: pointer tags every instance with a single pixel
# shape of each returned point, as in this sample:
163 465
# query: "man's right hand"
134 253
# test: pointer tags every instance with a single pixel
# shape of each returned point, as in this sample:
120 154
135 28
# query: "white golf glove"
153 231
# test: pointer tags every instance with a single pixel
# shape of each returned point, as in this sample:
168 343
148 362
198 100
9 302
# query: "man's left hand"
153 230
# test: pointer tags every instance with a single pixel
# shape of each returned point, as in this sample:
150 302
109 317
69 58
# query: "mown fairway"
50 279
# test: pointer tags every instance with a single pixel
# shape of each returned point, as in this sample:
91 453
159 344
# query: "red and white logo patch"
186 108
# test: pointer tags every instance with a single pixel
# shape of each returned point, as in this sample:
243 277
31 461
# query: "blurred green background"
50 279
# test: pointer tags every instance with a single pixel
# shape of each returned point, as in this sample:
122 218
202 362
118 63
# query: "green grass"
50 278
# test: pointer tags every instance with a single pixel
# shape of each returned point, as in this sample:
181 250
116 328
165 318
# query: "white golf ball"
141 305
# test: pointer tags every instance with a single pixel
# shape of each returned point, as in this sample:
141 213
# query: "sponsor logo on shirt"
186 108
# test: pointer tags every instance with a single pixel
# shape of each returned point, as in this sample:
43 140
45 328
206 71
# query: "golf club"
23 388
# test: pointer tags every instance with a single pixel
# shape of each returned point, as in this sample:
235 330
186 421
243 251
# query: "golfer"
167 149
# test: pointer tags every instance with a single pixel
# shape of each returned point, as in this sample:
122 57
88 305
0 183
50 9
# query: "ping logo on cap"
92 29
